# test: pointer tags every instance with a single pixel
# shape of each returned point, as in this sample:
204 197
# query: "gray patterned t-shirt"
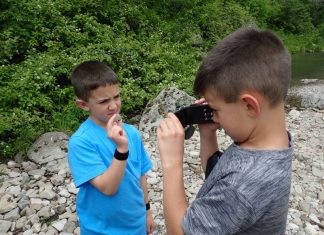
247 192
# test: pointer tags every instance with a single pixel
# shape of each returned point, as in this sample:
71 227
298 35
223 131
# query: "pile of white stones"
39 197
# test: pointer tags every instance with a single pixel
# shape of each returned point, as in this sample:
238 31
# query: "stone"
48 147
169 100
310 95
321 196
294 114
7 203
12 215
4 226
317 172
59 224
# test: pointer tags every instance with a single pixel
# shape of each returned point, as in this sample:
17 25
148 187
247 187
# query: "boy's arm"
208 142
171 145
208 139
109 181
149 218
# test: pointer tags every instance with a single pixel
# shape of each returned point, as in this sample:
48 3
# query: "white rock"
6 203
59 225
314 218
311 229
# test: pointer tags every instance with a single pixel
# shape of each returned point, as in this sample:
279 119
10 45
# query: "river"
307 66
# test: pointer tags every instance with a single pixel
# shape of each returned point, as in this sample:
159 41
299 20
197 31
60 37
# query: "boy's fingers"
111 120
174 120
162 126
165 126
118 120
169 126
200 101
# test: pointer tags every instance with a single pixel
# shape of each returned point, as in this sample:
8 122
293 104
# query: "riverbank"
37 194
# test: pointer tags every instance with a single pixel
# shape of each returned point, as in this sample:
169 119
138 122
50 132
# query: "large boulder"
50 150
308 95
169 100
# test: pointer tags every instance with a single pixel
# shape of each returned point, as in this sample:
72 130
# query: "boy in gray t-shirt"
248 190
245 80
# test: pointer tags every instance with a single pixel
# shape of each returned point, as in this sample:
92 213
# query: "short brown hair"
90 75
248 59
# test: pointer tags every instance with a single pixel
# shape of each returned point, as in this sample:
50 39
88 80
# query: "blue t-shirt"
90 154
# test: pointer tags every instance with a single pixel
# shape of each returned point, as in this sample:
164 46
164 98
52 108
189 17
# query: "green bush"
219 18
150 44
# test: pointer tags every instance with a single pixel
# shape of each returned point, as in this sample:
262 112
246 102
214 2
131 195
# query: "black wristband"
211 162
121 156
148 206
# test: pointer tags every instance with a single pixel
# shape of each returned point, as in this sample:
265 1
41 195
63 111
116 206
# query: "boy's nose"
112 106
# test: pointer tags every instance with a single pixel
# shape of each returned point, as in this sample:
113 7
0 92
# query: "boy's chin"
104 119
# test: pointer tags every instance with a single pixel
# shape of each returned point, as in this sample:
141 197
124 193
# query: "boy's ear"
82 104
252 103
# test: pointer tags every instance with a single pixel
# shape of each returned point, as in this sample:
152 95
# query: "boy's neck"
270 131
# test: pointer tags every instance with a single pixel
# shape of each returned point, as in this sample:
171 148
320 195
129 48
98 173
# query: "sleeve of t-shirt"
85 162
222 211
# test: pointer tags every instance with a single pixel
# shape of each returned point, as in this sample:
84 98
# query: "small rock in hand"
117 118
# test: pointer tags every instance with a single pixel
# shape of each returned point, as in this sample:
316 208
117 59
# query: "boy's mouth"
109 115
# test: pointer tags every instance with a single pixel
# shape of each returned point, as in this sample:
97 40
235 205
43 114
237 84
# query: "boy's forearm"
149 218
109 181
174 199
144 188
208 146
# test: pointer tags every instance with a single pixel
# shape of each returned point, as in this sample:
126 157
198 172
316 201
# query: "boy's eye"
103 102
214 110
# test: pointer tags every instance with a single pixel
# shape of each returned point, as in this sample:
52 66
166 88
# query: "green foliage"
317 12
294 17
305 42
219 18
264 11
150 44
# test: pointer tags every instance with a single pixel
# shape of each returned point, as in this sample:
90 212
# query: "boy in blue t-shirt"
107 159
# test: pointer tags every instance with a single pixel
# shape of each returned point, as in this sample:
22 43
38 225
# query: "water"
307 66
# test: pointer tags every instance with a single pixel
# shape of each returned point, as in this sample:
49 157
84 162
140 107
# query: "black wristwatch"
148 206
211 162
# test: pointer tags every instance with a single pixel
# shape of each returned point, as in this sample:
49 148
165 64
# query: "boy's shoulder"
85 126
254 170
87 131
129 126
237 156
131 129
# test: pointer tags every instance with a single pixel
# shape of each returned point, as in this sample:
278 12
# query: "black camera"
194 114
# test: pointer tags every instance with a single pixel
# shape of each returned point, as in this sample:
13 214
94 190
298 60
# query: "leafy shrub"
149 44
219 18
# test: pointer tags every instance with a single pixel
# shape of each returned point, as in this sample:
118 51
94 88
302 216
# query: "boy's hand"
171 141
207 128
117 133
150 225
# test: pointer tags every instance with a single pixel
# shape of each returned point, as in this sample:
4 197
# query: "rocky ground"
37 194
